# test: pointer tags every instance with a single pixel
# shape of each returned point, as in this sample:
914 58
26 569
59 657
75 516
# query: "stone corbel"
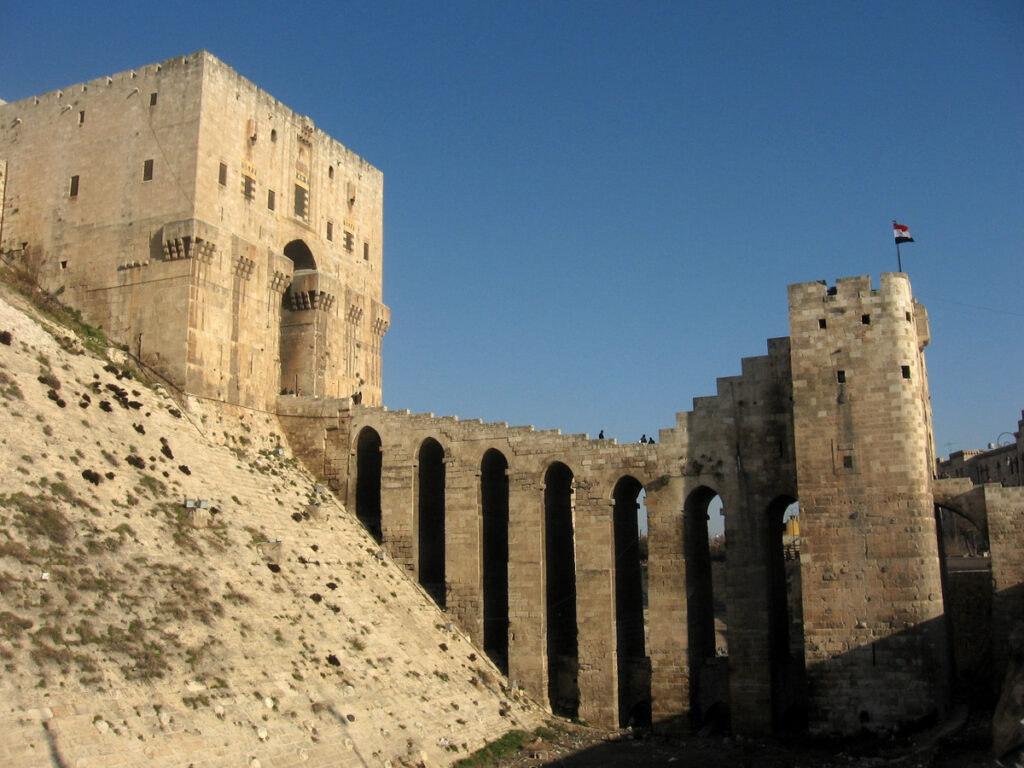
302 301
279 282
243 267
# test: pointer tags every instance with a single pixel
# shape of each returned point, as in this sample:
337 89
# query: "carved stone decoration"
300 301
189 248
243 267
279 282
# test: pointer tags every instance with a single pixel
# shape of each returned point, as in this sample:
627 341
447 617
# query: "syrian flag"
901 233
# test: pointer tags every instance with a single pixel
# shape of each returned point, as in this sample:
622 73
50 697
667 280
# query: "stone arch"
369 460
709 671
494 544
969 518
634 672
300 255
430 519
785 616
300 341
971 622
560 591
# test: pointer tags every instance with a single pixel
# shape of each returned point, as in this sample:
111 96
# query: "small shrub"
12 626
489 754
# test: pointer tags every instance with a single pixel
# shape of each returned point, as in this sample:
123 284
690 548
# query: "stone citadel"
237 250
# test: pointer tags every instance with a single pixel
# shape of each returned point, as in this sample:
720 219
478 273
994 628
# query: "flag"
901 233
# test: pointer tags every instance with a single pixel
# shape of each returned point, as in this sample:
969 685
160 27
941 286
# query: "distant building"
220 236
999 464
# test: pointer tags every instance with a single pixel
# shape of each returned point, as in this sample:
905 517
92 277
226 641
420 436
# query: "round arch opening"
560 588
494 511
629 524
300 255
368 468
707 622
430 520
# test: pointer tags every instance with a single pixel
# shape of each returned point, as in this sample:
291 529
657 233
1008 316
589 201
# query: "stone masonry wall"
736 442
1005 507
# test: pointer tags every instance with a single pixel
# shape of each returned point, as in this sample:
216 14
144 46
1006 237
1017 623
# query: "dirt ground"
965 744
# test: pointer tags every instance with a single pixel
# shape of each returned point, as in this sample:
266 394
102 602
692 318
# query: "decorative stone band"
299 301
133 264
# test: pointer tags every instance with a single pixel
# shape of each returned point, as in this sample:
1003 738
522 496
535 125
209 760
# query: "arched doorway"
634 669
301 256
430 520
560 591
301 337
785 617
494 513
963 546
705 610
368 465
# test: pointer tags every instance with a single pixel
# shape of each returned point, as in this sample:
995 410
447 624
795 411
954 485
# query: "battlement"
131 78
850 291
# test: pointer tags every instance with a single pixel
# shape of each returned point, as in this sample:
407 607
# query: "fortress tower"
875 635
220 236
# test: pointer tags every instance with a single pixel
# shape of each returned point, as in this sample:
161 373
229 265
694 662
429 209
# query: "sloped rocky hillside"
176 590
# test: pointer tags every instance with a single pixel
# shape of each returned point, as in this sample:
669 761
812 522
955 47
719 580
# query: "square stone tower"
218 235
874 628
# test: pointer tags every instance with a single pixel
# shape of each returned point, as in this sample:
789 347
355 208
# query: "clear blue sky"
592 209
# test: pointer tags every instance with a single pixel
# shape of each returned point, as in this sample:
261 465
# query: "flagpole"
899 259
